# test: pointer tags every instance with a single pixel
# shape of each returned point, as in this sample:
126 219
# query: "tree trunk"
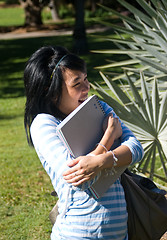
79 35
53 9
93 6
33 10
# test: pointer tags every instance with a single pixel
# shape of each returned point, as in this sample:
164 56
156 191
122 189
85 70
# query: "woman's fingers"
73 162
76 180
84 169
73 167
105 122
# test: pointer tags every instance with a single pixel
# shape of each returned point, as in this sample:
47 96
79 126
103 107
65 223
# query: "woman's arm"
52 153
84 168
112 131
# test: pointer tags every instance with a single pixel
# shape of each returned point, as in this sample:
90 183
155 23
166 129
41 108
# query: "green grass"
16 14
25 199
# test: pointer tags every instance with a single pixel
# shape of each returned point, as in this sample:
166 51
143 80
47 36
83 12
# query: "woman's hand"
112 126
83 169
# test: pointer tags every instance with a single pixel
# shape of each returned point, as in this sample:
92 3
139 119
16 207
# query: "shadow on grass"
15 53
9 117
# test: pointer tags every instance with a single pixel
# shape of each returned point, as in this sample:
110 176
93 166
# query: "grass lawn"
25 200
8 13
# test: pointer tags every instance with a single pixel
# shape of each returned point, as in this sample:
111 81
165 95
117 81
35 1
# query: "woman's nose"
86 86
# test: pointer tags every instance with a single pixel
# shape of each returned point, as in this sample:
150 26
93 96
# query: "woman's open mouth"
82 100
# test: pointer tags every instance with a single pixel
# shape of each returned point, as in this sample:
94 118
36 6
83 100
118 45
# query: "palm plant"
146 44
145 115
142 102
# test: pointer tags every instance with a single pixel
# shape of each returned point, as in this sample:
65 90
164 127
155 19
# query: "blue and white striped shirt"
80 215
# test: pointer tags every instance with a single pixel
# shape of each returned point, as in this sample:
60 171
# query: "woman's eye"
76 84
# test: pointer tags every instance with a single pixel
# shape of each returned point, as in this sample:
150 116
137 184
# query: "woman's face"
75 90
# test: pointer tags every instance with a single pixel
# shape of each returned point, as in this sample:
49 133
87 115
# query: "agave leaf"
98 87
147 159
153 162
124 41
162 11
138 99
158 40
139 130
110 38
129 42
152 63
117 64
117 91
162 112
147 7
123 17
137 12
162 157
156 3
124 30
163 129
165 4
116 51
141 69
153 52
121 76
143 128
137 116
146 98
163 140
147 146
162 27
155 103
118 108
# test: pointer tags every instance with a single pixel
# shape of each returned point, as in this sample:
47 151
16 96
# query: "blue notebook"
80 131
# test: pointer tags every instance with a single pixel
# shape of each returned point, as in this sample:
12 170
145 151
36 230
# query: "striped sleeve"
51 150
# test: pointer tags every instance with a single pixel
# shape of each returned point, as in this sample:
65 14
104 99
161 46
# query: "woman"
56 83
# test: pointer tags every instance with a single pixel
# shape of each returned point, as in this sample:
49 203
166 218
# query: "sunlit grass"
16 14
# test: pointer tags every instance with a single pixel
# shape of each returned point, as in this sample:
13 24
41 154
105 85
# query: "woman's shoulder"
44 119
107 108
43 125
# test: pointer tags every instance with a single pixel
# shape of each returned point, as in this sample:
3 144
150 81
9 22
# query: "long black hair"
43 82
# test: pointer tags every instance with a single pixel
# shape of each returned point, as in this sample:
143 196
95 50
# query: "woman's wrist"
100 148
108 139
103 146
106 161
110 161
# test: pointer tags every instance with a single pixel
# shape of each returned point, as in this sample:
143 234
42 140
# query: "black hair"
43 80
